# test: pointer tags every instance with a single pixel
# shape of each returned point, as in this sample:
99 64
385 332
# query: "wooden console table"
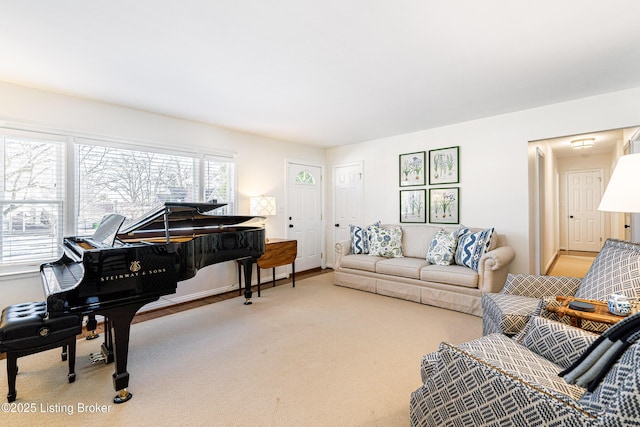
277 252
601 313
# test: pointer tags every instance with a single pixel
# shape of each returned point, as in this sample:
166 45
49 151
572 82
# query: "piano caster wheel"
11 397
122 396
92 335
72 377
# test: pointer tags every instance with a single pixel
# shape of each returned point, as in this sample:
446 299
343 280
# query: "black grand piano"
118 270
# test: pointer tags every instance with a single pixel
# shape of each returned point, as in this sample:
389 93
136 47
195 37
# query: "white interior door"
347 191
584 191
304 200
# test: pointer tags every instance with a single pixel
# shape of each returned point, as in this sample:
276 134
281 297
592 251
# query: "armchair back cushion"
616 269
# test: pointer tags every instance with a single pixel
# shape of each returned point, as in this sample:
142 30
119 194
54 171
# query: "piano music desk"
278 252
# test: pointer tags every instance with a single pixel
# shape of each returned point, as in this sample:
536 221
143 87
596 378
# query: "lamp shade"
262 206
623 193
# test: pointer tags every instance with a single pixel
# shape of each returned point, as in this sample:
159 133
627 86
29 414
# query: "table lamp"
622 193
263 206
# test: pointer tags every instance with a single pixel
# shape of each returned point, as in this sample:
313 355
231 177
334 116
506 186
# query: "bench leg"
72 360
12 371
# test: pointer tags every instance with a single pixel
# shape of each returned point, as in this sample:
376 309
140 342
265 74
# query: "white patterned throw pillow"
442 249
386 242
360 238
471 247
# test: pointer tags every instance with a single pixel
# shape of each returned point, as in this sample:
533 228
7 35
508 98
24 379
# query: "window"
104 178
305 177
32 174
219 182
128 182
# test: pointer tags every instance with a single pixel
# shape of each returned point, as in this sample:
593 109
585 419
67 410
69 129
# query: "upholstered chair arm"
494 267
534 286
489 395
342 248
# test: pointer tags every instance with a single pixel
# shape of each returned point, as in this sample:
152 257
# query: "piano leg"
120 324
247 264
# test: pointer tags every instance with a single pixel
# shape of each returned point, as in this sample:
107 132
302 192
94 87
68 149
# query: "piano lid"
177 218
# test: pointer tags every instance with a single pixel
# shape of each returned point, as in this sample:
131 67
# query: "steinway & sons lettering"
132 275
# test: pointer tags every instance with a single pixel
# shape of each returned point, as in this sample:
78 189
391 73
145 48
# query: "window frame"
69 193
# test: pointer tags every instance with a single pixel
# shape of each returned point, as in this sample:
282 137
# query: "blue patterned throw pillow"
471 247
386 242
443 248
360 238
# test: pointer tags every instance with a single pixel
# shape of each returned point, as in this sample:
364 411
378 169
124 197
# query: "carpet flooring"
313 355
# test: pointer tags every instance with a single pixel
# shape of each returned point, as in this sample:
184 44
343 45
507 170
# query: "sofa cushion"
616 270
416 239
360 238
360 262
386 242
403 267
443 248
471 247
450 274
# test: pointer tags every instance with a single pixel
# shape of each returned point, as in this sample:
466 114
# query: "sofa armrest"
342 248
493 268
535 286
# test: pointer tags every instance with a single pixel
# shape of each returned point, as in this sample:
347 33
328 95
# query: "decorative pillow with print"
386 242
360 238
471 247
442 249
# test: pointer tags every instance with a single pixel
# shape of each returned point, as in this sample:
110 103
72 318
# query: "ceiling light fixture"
577 144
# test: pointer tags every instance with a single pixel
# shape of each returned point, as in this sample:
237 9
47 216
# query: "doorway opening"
566 186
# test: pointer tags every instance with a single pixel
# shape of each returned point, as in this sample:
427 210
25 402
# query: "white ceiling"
323 72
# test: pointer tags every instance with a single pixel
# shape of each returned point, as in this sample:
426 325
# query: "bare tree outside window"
115 180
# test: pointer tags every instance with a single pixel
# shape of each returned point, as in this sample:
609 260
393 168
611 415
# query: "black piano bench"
25 329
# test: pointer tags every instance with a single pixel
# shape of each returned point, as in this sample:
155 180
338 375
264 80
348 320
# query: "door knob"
337 225
290 225
571 216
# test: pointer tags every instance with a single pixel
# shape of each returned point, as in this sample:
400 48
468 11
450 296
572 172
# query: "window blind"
32 195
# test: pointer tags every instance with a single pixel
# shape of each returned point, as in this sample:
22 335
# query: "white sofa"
411 277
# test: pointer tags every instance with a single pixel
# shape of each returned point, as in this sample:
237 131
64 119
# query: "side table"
601 313
277 252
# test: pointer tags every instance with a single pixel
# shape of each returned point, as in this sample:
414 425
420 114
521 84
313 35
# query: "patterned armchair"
616 269
500 381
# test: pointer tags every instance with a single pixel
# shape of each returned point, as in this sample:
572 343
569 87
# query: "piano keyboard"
60 277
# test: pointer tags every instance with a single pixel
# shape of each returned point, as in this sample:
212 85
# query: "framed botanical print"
412 169
444 166
413 206
444 205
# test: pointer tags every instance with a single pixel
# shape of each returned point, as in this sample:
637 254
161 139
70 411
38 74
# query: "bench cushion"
25 326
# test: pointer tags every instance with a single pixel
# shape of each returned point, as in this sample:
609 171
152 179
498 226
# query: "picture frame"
412 169
444 205
444 166
413 206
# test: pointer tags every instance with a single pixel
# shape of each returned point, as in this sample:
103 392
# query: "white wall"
494 163
261 164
